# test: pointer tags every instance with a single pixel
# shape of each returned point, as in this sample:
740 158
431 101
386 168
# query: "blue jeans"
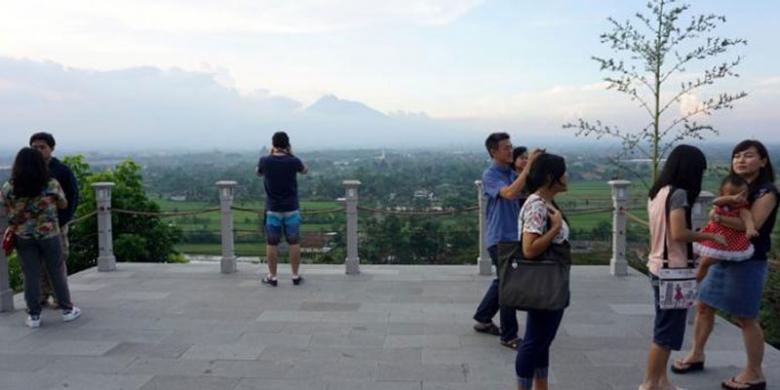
533 354
488 308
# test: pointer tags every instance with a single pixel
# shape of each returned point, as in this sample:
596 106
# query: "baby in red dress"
730 205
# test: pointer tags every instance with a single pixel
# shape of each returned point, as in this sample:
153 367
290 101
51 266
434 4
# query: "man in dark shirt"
45 143
279 170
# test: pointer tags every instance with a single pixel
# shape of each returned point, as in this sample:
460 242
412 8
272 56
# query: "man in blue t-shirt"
502 188
279 170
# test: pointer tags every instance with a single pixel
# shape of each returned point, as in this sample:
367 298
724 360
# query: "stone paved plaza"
150 326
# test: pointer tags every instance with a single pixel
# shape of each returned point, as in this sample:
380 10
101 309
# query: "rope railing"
163 214
588 211
81 218
418 213
305 212
636 219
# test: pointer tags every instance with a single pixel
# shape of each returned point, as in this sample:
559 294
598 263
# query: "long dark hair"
546 170
765 174
684 169
30 173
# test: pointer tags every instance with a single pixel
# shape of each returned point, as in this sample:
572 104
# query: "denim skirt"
735 287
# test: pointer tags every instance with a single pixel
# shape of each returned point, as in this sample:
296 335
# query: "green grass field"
581 195
247 224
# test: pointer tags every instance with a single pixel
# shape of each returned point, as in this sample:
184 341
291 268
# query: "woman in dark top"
736 287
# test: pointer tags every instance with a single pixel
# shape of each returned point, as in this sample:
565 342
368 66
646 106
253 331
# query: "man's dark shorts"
669 329
287 222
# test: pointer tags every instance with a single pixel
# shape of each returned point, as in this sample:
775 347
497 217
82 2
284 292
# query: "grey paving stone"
157 366
423 341
20 380
456 373
102 382
266 339
189 383
381 385
75 348
392 327
277 384
251 369
67 365
149 350
222 352
329 306
23 363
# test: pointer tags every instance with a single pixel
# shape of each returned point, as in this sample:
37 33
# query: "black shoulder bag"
541 283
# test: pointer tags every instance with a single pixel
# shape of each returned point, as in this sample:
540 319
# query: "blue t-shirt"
281 185
500 214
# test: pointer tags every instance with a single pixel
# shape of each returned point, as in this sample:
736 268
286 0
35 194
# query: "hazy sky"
493 63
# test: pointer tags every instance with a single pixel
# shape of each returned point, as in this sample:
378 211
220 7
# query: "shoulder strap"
667 211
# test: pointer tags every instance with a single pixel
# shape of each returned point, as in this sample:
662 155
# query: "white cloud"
39 18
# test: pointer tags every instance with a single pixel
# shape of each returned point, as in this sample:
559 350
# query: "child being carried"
731 203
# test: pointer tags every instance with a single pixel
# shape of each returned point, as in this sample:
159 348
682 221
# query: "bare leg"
272 254
753 337
295 257
702 327
540 384
655 372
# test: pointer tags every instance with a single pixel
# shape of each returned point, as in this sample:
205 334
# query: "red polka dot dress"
738 247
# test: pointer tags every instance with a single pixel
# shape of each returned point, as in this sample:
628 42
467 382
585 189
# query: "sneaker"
268 281
33 321
297 280
72 314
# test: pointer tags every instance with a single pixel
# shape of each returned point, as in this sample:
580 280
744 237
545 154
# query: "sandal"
729 384
681 367
489 328
511 344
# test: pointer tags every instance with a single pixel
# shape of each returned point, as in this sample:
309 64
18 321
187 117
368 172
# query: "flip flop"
750 386
511 344
687 367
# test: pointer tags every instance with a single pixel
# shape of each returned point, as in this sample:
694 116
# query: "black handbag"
541 283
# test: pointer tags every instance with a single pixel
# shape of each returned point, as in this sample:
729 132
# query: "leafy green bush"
770 307
15 272
138 238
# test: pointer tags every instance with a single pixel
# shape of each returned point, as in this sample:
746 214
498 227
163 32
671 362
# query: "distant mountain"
331 105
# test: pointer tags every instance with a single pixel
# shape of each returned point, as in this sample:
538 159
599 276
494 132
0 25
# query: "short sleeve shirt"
281 184
500 213
677 252
533 219
33 218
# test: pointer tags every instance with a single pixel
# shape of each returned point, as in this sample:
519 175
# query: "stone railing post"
484 263
106 260
226 191
352 262
618 266
6 294
699 212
